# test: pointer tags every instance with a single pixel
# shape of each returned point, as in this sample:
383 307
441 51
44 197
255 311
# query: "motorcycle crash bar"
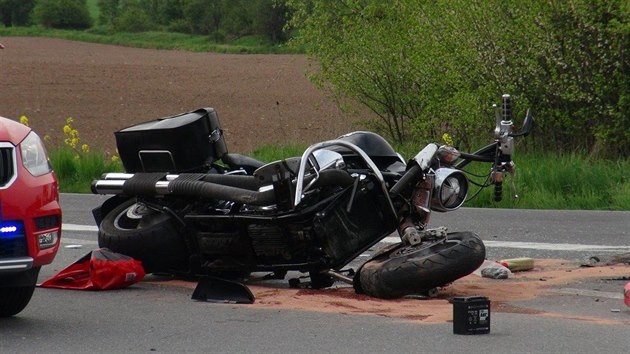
236 188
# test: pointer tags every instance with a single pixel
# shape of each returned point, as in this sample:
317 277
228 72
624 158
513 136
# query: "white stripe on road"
76 241
395 239
555 246
75 227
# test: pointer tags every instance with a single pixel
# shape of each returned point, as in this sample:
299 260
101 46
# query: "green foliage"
425 68
16 12
222 20
77 171
546 180
108 11
269 153
72 14
157 40
133 20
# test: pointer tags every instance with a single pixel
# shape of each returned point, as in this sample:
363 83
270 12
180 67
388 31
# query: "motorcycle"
187 206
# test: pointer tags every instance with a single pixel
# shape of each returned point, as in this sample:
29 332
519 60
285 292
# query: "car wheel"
14 299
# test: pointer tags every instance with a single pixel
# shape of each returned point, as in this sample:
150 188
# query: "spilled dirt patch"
536 283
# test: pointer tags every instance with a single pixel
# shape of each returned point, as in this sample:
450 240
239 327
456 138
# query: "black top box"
186 142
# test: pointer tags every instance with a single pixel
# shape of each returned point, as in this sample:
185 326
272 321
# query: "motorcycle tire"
153 239
401 270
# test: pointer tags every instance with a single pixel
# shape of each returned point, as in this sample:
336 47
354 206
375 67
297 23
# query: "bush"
425 68
16 12
68 14
133 20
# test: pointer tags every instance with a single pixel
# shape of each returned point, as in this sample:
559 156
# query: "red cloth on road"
100 269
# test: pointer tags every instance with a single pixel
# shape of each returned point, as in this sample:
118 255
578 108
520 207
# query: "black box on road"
471 315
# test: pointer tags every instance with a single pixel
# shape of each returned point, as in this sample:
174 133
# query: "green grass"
543 180
269 153
154 40
572 181
76 171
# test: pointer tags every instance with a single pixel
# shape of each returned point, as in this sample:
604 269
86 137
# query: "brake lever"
511 169
498 177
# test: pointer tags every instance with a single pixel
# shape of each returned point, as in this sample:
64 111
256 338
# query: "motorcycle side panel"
352 225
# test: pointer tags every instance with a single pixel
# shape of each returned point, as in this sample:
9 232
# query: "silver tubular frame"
299 188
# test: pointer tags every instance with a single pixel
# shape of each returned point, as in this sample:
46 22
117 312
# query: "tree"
16 12
109 10
430 67
269 17
71 14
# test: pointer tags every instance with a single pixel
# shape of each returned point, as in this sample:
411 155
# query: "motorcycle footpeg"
425 295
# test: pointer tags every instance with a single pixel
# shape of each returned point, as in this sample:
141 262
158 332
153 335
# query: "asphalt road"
149 317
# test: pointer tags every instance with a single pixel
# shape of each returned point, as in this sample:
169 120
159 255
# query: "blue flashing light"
10 228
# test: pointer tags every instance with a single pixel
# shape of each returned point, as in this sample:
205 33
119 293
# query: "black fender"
99 212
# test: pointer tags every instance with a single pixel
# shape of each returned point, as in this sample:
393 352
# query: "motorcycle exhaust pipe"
184 188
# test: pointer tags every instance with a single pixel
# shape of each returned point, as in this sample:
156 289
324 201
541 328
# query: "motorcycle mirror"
528 123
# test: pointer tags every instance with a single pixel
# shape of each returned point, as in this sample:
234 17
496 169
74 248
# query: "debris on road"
518 264
606 260
100 269
493 270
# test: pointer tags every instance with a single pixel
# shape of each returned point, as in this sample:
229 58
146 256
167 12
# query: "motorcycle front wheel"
150 237
401 269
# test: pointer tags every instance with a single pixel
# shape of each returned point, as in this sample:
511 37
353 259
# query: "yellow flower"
85 148
115 158
447 139
67 129
69 120
24 120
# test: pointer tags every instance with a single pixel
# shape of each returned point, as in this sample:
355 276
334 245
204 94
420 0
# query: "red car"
30 215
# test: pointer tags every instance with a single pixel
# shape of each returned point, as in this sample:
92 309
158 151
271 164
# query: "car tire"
14 299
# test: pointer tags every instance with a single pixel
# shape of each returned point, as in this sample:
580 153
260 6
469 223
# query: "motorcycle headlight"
34 157
450 189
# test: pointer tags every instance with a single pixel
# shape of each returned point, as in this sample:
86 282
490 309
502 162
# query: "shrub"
16 12
133 20
67 14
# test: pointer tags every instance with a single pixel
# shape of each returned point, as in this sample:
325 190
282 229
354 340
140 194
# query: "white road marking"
76 241
75 227
395 239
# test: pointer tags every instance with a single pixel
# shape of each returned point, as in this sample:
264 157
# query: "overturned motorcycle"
188 206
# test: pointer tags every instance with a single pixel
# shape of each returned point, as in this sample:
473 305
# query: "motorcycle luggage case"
182 143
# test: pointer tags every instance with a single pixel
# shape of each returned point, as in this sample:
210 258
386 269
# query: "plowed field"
261 99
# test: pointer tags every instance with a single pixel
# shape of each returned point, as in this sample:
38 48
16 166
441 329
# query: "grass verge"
154 40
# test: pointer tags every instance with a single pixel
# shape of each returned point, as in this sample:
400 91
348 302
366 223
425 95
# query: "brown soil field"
261 99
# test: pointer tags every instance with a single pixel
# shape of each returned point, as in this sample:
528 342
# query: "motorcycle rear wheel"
401 269
152 238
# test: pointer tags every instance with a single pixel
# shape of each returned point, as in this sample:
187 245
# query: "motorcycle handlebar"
411 176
